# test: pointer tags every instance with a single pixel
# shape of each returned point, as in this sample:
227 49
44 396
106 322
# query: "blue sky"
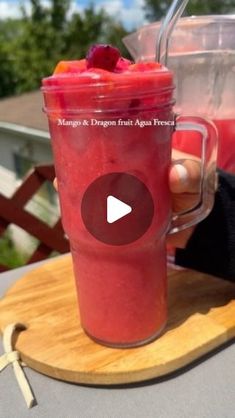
128 11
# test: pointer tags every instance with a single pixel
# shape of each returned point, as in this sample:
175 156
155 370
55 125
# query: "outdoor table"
205 389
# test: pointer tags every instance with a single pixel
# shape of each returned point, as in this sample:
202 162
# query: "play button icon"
117 208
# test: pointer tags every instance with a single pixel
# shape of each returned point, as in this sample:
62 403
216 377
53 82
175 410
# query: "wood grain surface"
201 318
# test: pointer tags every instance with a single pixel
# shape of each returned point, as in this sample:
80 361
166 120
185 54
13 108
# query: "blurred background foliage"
32 45
155 9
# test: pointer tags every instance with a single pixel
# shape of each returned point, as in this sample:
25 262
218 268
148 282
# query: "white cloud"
131 16
12 9
74 7
112 7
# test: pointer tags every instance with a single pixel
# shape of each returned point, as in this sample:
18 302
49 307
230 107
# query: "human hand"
184 182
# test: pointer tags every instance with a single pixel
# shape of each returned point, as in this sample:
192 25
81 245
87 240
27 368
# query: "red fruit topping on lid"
70 67
102 56
122 65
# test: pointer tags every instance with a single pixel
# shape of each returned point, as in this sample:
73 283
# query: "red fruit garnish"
102 56
70 67
122 65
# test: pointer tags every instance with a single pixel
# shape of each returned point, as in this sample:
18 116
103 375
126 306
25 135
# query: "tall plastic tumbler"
116 127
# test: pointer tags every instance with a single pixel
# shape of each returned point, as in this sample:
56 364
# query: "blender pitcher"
201 54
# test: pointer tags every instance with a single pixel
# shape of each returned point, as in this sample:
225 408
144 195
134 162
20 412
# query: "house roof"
24 110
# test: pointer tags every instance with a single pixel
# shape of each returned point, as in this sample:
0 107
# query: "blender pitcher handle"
208 177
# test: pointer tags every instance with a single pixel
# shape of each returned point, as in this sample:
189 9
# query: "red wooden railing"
52 238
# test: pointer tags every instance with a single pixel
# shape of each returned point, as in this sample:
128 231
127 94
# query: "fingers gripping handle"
207 181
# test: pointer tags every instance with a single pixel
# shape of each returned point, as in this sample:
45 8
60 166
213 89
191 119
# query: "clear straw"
175 11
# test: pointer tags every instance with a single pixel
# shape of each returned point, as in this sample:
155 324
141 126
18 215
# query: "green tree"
39 44
83 30
92 27
31 47
59 10
7 75
9 30
156 9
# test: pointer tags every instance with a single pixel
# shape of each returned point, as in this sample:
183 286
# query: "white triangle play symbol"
116 209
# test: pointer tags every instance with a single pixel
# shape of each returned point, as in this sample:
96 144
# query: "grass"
9 255
12 257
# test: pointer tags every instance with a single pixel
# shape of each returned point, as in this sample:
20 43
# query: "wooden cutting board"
201 318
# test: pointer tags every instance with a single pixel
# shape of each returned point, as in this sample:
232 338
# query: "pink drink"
226 152
121 288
